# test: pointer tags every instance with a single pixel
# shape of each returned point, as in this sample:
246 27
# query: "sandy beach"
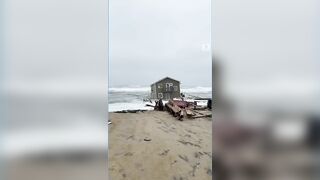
155 145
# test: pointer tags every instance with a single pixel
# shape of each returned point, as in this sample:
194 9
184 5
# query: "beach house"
166 88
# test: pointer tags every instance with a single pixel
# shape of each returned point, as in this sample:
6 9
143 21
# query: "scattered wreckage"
182 109
179 108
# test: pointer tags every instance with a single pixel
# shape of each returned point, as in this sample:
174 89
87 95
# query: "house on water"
166 88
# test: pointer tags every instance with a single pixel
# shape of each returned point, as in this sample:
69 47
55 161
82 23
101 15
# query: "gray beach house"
166 88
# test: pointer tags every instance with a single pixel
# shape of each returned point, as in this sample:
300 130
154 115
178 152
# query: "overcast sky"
150 40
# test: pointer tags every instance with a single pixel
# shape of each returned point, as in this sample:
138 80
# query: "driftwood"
159 105
200 108
201 116
181 115
189 112
130 111
173 109
181 109
199 98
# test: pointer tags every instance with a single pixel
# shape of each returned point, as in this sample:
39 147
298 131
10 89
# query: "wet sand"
155 145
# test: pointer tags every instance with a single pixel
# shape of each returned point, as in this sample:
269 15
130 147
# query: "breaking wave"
129 89
131 98
198 89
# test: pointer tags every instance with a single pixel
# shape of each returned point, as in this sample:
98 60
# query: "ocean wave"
130 89
128 106
198 89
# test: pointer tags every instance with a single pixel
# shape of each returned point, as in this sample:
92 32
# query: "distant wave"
128 106
130 89
131 98
198 89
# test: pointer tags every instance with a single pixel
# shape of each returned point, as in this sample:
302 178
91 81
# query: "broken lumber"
130 111
173 109
201 116
200 108
181 115
189 112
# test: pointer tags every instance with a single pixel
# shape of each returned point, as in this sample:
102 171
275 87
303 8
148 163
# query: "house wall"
167 93
153 91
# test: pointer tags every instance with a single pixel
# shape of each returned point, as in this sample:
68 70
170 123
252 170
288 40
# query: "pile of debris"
181 109
131 111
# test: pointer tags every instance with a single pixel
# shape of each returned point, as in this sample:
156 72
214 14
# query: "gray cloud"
153 39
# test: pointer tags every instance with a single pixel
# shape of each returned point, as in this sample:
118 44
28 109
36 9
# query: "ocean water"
131 98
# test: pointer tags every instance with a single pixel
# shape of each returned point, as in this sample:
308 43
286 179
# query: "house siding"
166 89
153 91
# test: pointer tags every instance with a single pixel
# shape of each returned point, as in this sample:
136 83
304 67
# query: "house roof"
164 79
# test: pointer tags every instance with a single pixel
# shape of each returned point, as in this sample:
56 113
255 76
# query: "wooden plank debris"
130 111
181 109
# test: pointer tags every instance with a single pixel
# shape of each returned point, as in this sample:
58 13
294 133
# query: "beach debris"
147 139
131 111
182 104
209 105
200 108
159 105
209 102
150 105
173 108
201 116
147 100
190 113
181 109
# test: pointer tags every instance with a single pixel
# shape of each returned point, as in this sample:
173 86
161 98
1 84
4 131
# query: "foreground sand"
155 146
